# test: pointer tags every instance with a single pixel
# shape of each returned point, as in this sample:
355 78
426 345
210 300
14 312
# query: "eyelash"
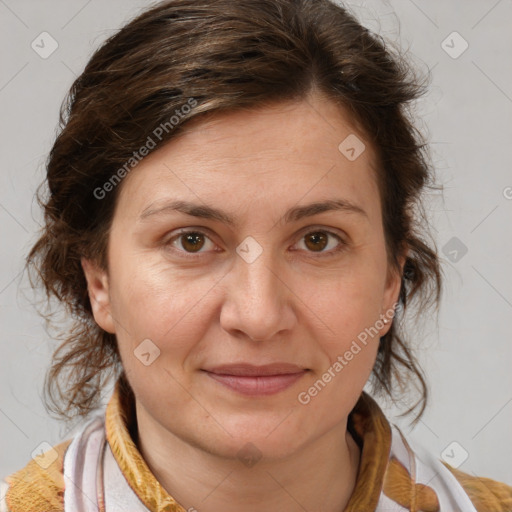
328 254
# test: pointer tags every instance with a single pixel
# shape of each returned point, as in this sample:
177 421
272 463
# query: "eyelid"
333 231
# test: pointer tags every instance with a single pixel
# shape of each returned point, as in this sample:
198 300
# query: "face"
262 281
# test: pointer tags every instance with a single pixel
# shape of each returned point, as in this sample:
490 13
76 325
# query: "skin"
292 304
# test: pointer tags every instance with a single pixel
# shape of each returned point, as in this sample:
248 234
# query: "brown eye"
192 241
316 241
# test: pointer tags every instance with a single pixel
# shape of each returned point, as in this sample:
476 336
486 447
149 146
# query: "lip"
251 370
253 380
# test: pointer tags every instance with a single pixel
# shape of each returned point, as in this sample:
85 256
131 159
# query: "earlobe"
99 296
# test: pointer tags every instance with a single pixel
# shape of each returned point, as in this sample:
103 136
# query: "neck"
321 476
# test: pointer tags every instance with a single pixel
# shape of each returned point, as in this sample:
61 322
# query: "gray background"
467 356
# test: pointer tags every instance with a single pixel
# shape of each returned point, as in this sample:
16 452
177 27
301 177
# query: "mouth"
251 380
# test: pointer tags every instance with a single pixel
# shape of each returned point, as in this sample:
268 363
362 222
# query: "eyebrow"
294 214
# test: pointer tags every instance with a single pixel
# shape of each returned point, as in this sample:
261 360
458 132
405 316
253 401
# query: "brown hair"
226 55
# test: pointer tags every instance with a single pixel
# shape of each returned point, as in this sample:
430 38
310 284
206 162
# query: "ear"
98 289
392 292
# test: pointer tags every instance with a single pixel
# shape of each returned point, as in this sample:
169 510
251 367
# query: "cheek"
348 301
159 327
155 302
349 310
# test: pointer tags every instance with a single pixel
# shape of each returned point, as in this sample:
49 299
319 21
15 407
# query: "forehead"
260 159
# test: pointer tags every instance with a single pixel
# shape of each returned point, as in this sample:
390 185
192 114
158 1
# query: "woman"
232 221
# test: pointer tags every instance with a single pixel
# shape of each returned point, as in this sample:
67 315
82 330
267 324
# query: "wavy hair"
227 55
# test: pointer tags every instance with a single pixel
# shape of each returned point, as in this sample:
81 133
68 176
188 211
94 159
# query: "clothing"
101 469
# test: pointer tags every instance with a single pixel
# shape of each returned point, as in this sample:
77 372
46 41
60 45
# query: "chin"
249 450
270 439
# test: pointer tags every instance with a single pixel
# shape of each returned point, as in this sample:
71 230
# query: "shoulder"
37 486
487 495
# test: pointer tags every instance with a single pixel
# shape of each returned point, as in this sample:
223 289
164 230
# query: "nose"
258 302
